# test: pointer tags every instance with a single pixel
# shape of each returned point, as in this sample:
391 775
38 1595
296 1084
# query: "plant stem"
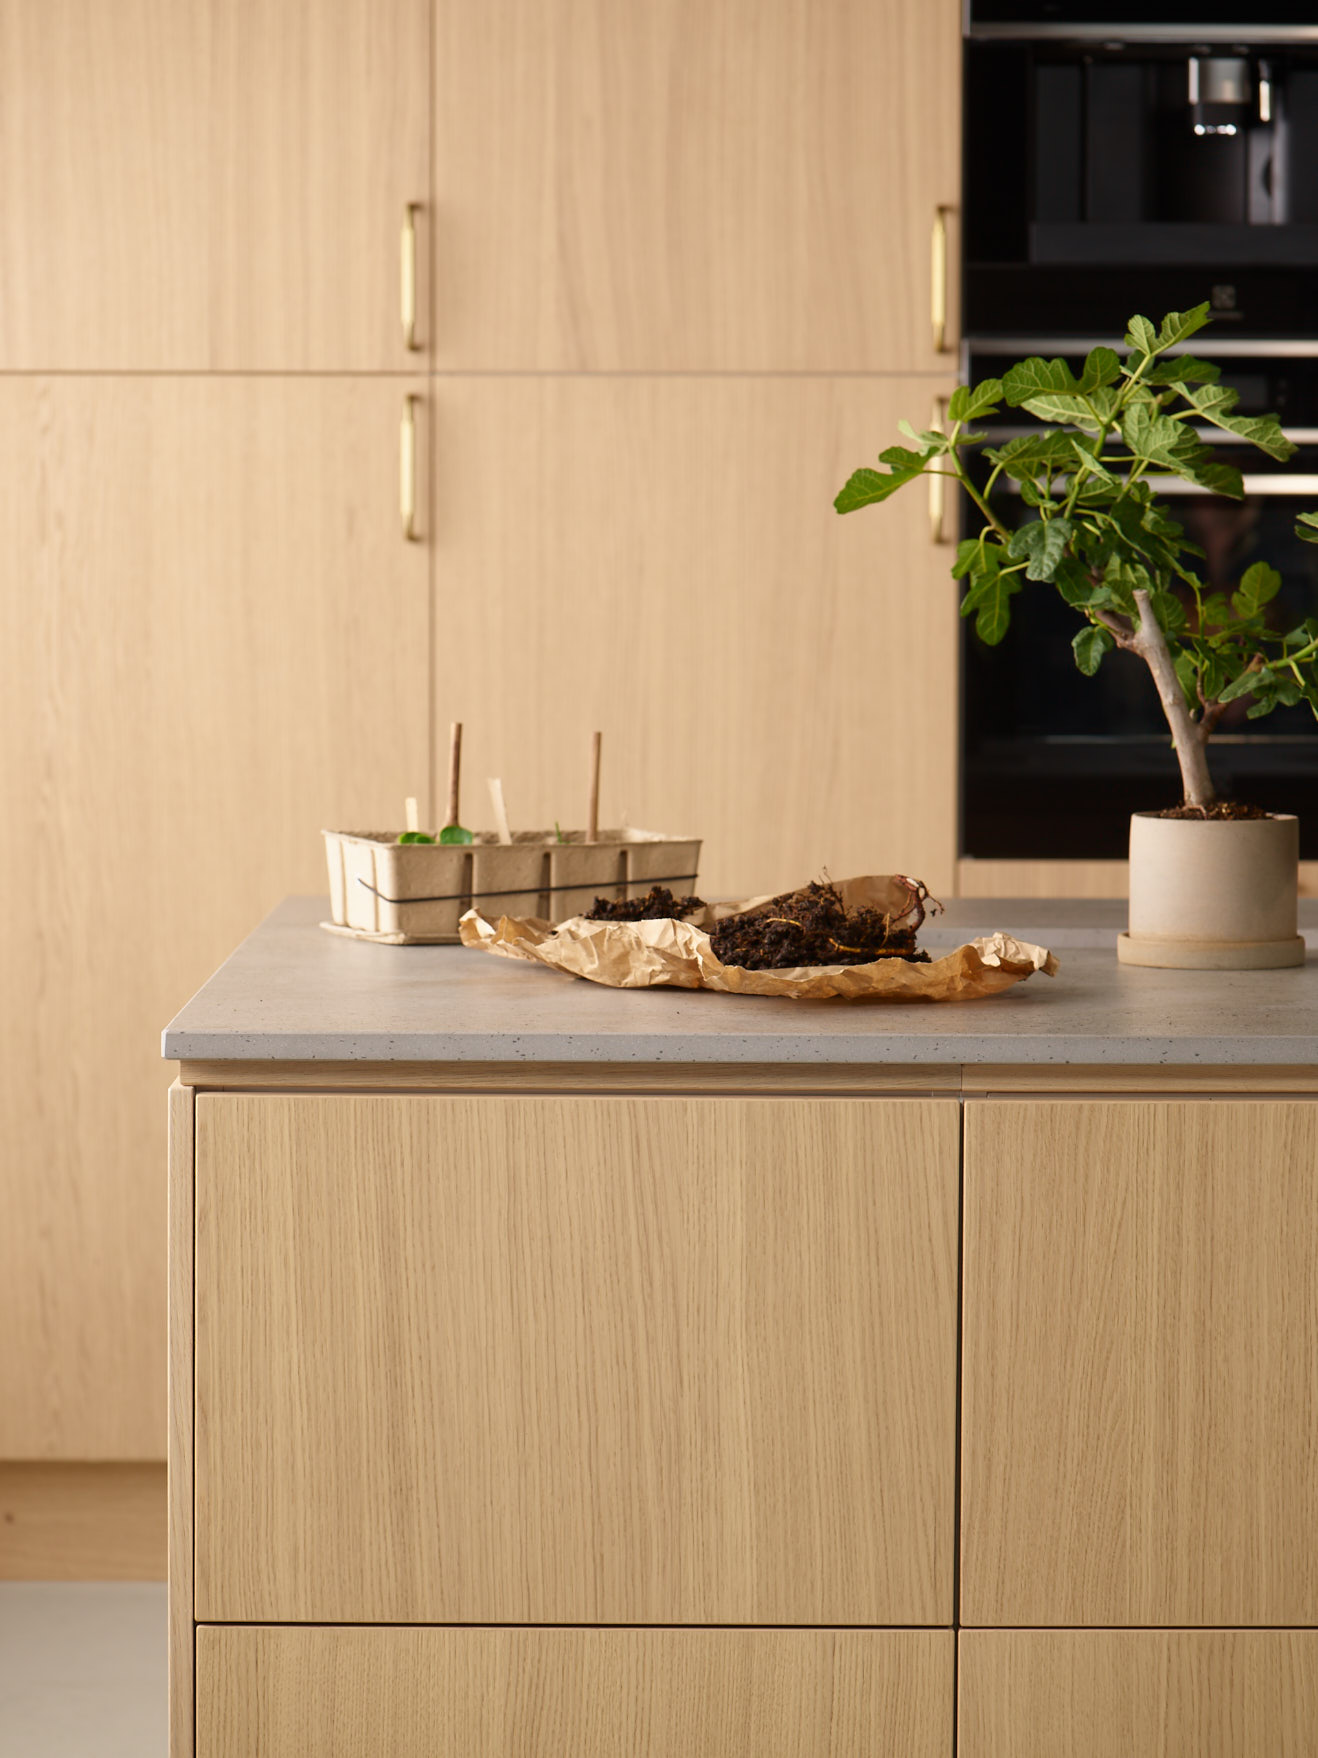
980 502
1187 734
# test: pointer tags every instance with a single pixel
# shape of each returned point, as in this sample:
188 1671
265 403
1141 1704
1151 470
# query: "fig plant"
1099 535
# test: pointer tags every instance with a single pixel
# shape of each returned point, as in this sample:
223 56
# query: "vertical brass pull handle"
938 279
407 469
937 481
407 274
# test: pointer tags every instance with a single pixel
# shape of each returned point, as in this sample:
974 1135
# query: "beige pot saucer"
1165 953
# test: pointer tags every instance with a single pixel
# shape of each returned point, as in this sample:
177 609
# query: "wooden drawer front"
416 1693
1141 1363
515 1360
1138 1694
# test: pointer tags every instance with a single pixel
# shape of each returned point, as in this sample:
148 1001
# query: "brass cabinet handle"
938 279
408 274
407 469
937 481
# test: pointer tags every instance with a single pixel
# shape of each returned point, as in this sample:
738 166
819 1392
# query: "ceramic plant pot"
1213 894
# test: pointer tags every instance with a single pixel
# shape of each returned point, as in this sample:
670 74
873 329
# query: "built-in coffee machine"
1118 159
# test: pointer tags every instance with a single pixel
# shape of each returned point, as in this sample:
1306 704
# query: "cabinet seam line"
956 1477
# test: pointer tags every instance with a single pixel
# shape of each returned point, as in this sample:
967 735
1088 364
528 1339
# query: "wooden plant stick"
410 814
454 773
500 810
593 816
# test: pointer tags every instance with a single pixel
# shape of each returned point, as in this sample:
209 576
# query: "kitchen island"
561 1372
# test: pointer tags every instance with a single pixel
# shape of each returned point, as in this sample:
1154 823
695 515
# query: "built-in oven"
1053 762
1125 158
1177 141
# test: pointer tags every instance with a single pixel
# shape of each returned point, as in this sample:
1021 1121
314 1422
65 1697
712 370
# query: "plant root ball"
812 926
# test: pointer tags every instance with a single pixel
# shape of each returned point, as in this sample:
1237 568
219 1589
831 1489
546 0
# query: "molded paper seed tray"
415 893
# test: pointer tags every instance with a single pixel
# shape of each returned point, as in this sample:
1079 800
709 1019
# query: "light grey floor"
83 1670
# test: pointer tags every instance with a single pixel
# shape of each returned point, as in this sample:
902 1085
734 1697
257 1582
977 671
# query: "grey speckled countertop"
294 993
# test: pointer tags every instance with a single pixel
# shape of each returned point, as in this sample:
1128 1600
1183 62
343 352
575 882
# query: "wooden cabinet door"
581 1360
214 645
1140 1390
356 1693
692 185
197 184
1138 1693
659 557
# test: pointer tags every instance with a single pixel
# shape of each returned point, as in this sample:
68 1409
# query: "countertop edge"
1025 1051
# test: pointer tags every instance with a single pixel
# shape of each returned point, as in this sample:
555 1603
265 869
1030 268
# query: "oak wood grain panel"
1138 1693
568 1077
199 184
1140 1390
67 1522
355 1693
675 574
214 643
692 185
575 1360
181 1250
977 878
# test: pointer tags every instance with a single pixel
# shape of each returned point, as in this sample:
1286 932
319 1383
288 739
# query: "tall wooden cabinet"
214 630
700 242
681 291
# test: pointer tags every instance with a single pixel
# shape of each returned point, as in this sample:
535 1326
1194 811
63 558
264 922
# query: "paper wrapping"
678 955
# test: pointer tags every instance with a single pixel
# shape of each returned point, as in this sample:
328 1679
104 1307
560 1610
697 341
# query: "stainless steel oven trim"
1212 436
1296 487
1147 33
1294 348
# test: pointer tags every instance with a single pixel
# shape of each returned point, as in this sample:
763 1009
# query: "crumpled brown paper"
643 955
